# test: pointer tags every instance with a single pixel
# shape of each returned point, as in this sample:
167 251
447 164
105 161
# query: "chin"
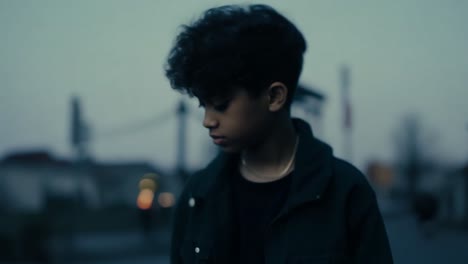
229 149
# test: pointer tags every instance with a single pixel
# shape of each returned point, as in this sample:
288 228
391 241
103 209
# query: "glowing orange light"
380 174
145 199
166 200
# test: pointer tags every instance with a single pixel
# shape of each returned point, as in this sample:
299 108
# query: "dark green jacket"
330 215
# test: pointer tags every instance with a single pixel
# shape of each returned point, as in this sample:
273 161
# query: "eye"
221 107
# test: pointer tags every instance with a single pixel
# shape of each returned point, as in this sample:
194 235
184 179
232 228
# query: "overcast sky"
405 56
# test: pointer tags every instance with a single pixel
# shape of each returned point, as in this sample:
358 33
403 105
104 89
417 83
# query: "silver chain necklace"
283 172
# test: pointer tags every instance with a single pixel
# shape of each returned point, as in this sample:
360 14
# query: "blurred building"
454 197
448 186
29 181
44 200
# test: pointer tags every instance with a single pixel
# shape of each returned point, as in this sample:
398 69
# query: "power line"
135 127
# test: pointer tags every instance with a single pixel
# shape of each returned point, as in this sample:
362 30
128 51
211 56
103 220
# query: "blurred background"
95 146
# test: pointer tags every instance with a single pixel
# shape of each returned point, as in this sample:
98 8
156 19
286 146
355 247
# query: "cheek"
253 124
246 121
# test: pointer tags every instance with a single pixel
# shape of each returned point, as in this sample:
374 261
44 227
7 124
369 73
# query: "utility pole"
181 140
79 131
347 112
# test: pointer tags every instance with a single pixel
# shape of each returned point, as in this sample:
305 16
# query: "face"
236 122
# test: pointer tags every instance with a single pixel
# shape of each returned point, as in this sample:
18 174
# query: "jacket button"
197 250
191 202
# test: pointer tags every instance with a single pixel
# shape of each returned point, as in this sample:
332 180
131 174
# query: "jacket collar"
312 173
313 167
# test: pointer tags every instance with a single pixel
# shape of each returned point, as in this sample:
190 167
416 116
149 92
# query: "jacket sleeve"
178 227
368 237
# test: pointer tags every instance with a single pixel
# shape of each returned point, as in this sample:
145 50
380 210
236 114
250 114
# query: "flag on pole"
347 111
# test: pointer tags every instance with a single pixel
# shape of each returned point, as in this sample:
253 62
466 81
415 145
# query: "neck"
273 154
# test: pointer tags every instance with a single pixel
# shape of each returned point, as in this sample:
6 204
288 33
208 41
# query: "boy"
276 194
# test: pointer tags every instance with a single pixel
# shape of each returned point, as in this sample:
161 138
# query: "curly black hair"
233 46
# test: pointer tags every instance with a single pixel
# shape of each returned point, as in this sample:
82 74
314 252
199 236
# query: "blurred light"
166 200
147 183
151 175
145 199
380 174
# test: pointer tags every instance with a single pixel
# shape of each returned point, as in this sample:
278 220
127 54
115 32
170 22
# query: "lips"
218 140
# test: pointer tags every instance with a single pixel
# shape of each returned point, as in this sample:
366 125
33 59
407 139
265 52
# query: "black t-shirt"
255 207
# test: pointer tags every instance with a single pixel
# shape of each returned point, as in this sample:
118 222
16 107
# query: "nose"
209 120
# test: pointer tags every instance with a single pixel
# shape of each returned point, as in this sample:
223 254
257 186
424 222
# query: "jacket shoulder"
350 177
200 179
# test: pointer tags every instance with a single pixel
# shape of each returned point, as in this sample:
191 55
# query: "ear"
277 94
